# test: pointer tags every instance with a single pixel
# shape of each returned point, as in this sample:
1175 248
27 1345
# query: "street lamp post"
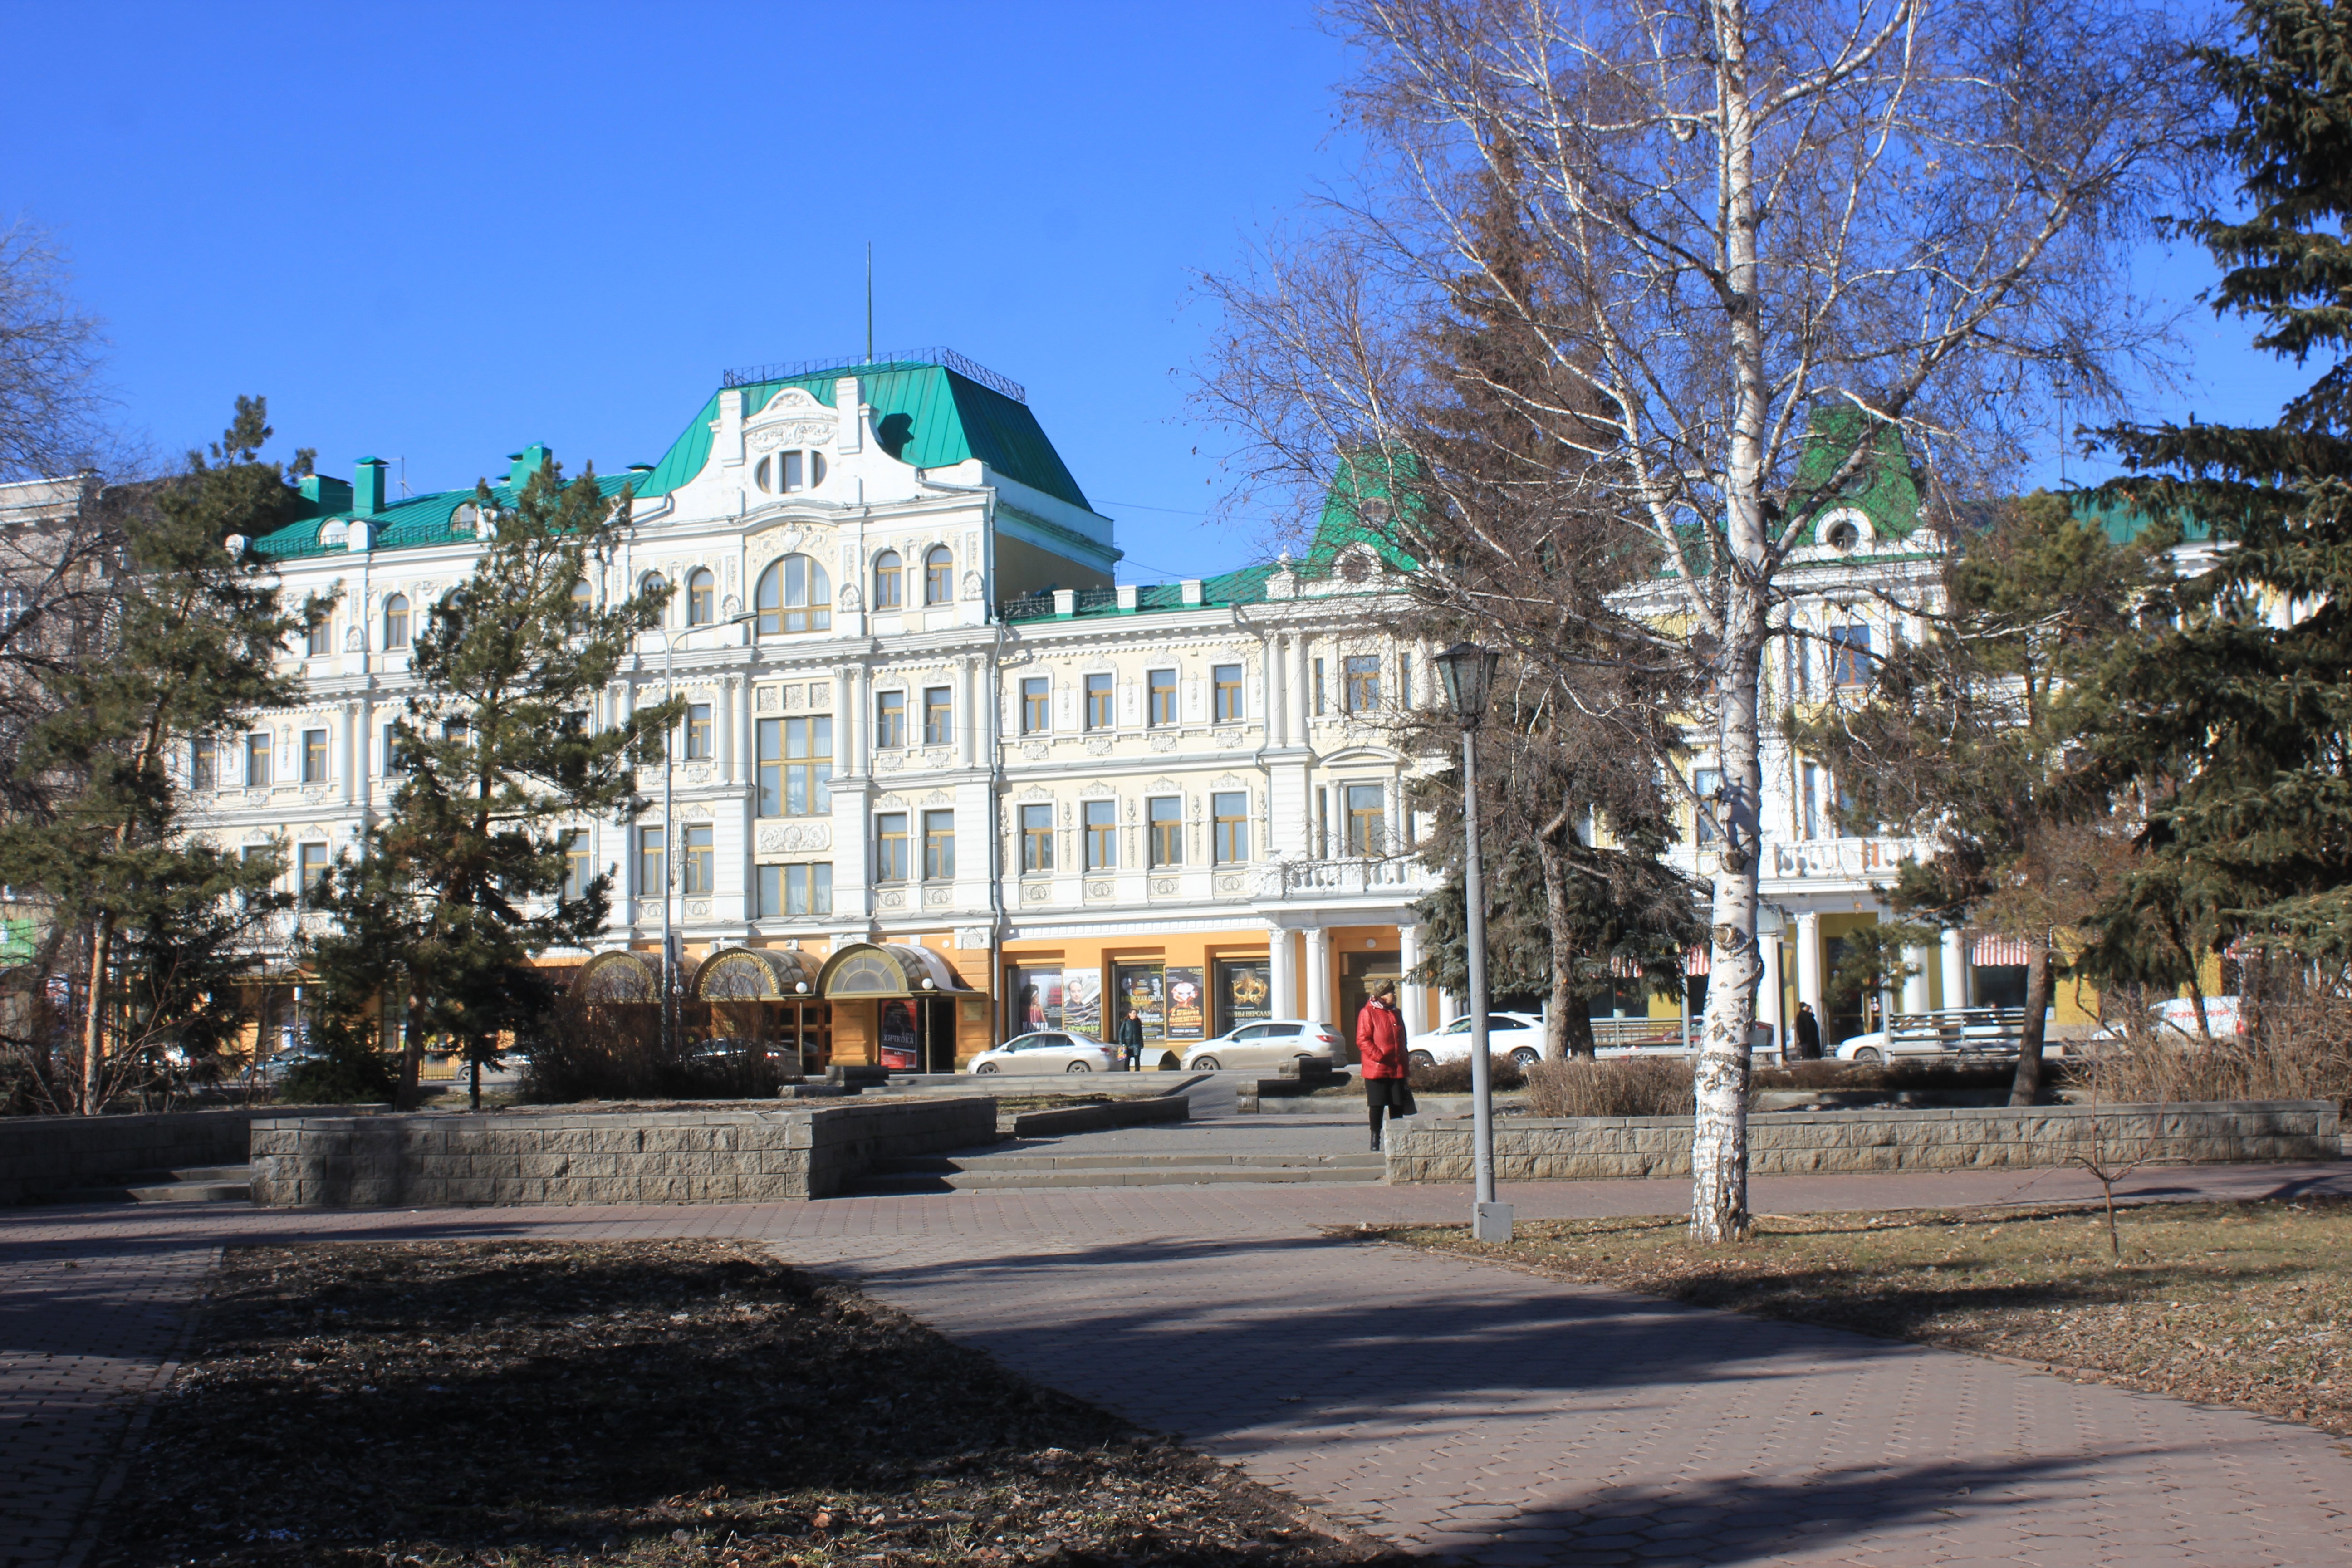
1467 672
669 829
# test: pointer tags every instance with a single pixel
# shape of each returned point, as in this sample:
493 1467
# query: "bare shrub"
2297 1045
1622 1086
1454 1077
602 1050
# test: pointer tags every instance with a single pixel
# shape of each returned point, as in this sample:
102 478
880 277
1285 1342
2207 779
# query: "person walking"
1131 1040
1809 1033
1379 1046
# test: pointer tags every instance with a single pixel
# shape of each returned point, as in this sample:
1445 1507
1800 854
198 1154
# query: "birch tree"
1725 220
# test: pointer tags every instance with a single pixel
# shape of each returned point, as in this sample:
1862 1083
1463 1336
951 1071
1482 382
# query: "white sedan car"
1271 1044
1047 1050
1514 1034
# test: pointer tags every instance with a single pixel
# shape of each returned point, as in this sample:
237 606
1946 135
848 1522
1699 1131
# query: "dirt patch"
676 1402
2243 1304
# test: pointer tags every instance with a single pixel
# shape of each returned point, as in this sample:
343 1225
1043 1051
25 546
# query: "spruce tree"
2233 727
461 886
163 921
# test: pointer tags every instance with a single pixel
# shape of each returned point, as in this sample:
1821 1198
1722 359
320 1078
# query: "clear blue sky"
438 232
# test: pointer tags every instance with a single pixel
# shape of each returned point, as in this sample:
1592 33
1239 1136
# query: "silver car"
1513 1035
1270 1044
1047 1050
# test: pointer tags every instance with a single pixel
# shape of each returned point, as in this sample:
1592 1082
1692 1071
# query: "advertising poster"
1188 1005
1082 1002
1245 995
900 1045
1036 1001
1141 991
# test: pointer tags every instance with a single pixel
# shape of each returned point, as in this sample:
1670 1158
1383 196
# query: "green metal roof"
1886 490
418 521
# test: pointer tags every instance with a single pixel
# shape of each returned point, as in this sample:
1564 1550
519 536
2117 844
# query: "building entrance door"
1361 973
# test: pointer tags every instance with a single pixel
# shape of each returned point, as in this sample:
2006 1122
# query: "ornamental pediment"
791 418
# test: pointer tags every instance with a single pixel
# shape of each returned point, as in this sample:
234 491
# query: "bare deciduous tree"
51 405
1726 219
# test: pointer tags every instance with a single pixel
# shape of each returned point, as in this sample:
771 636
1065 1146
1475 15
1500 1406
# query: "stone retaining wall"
43 1154
662 1157
1529 1148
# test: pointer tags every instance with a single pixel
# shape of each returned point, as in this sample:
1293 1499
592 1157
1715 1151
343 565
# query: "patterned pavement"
1455 1407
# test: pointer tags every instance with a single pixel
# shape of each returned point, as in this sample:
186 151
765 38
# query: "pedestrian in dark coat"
1379 1044
1131 1040
1809 1033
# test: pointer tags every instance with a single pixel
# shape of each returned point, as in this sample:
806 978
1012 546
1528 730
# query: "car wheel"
1204 1064
1079 1066
1524 1058
1869 1055
984 1069
1421 1059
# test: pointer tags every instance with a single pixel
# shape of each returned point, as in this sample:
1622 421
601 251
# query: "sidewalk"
1450 1405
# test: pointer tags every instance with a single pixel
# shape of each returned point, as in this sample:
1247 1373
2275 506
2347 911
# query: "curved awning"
756 975
617 978
877 969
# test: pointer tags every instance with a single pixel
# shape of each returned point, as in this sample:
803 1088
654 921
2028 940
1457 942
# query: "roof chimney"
527 462
367 487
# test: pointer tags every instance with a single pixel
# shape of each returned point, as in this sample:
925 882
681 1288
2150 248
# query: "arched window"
795 595
583 593
701 597
889 591
938 575
651 584
395 622
789 471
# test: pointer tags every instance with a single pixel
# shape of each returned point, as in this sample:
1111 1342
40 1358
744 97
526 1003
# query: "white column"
849 734
968 722
1771 1007
1414 996
1955 969
1315 1007
1284 1003
347 759
1449 1007
1921 960
729 722
1809 967
1302 694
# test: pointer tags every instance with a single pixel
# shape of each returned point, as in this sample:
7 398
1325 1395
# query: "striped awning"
1696 961
2000 953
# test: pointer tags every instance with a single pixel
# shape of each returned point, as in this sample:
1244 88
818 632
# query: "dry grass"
1454 1077
1619 1086
529 1404
2298 1045
2243 1304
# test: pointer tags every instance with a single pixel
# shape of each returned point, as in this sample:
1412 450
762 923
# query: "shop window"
1166 815
1230 814
1227 679
1102 834
1036 838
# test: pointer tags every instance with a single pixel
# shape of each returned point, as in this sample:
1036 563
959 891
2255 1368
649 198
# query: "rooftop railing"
798 369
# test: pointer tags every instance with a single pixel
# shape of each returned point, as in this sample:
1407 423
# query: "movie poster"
901 1045
1188 1010
1245 995
1142 990
1036 1001
1082 1002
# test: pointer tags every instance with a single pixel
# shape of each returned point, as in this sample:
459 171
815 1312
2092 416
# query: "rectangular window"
889 720
1811 826
1849 655
808 889
1161 686
1037 705
203 770
890 846
1367 819
1404 680
939 715
1227 679
653 864
321 639
1362 691
699 733
796 766
1318 689
311 863
579 868
1166 814
1102 834
701 863
256 760
1705 784
250 854
767 893
314 756
1100 691
396 756
1036 838
939 845
1231 811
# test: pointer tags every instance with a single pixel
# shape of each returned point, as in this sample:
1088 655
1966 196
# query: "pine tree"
192 649
2234 726
1968 736
462 885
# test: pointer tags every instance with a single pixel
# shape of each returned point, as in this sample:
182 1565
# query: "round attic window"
1843 536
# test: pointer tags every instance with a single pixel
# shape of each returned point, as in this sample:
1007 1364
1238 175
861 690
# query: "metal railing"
849 364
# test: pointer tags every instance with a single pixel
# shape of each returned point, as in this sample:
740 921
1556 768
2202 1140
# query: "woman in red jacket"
1379 1044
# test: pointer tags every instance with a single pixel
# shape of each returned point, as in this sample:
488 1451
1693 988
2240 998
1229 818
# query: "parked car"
1514 1034
1269 1044
1958 1032
2176 1020
1047 1050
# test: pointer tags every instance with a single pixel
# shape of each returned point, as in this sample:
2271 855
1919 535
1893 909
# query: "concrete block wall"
43 1154
655 1157
1531 1149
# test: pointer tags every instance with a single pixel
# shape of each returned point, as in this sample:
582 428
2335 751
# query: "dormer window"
786 472
465 520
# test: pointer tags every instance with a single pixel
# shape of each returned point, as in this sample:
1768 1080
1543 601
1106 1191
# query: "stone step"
1153 1175
197 1184
928 1164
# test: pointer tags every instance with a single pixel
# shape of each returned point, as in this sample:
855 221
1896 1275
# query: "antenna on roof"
869 301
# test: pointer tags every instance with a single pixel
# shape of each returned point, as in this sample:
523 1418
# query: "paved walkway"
1450 1405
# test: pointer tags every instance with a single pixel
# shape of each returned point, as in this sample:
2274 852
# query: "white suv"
1513 1035
1270 1044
